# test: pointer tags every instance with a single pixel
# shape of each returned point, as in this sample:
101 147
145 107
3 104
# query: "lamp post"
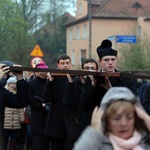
90 28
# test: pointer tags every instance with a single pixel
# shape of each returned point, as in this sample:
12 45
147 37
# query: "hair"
123 105
88 60
64 57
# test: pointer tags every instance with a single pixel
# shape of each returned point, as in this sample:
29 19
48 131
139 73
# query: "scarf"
129 144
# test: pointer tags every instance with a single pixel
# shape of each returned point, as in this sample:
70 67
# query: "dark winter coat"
11 100
146 98
38 113
78 118
92 96
57 116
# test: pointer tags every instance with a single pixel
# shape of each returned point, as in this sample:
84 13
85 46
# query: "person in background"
57 120
8 99
39 140
78 119
146 97
26 75
22 132
28 129
22 141
12 118
141 91
27 114
8 74
119 124
95 87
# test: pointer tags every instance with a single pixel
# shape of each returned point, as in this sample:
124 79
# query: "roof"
70 18
97 2
125 9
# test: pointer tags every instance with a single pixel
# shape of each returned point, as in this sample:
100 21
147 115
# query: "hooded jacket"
94 140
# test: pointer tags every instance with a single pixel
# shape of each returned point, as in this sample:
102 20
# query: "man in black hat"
95 87
107 56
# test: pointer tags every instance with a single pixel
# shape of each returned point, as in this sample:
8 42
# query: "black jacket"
78 118
146 98
8 99
38 113
92 96
57 115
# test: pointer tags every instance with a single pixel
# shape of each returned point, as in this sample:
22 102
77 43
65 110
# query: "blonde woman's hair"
123 105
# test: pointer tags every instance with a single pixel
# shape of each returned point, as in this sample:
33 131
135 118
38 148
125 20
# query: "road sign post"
35 61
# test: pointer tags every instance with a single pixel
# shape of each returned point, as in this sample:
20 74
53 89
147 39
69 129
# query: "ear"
57 65
99 61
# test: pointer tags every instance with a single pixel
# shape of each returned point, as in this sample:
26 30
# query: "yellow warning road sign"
36 51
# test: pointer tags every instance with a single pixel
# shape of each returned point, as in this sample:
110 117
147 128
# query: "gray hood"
118 93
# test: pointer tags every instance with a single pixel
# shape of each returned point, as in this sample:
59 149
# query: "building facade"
96 20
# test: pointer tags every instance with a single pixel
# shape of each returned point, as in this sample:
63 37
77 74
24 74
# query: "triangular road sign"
36 51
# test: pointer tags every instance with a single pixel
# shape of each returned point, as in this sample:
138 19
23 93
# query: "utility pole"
90 28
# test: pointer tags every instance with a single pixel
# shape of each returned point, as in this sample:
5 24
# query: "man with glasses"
78 119
87 68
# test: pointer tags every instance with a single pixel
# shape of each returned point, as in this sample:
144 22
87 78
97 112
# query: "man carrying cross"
95 87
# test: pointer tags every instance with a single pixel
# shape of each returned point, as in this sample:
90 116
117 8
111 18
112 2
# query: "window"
82 55
85 31
71 36
79 9
138 30
73 57
77 33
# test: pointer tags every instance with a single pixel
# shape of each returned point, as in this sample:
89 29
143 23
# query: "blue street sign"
112 38
125 39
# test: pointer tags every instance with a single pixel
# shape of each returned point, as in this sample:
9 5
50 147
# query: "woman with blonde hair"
119 124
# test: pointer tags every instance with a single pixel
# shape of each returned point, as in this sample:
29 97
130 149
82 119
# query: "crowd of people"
65 112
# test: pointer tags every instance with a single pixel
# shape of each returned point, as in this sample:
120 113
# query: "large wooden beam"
60 72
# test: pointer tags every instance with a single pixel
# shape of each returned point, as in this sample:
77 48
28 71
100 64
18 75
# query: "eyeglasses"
89 68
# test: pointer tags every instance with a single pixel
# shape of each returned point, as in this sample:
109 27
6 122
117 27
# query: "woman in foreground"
119 124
